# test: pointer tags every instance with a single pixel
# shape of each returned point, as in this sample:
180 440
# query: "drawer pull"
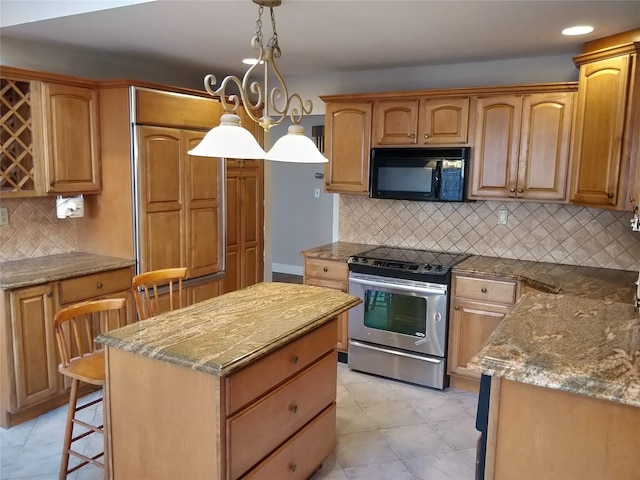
49 294
325 269
294 359
456 307
293 408
99 285
483 289
293 467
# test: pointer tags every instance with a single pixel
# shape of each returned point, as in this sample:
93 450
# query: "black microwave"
427 174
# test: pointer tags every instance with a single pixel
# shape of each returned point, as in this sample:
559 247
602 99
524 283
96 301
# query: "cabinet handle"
520 190
413 135
52 183
483 290
49 294
325 269
99 285
294 359
609 195
632 200
293 467
512 190
426 135
293 408
456 307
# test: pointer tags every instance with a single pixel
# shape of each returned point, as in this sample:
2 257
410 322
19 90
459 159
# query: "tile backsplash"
534 231
35 231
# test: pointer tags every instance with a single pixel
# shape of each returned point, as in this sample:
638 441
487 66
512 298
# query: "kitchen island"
565 390
242 385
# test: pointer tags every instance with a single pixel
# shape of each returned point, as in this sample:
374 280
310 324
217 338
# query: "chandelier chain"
273 41
258 34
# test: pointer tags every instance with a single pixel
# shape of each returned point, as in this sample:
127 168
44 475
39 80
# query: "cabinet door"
444 121
203 291
544 149
160 198
71 139
494 169
35 364
231 279
471 325
603 89
395 122
203 204
251 222
348 146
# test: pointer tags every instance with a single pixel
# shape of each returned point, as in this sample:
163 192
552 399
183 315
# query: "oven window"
395 312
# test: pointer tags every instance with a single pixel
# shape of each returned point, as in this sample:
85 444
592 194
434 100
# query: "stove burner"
406 263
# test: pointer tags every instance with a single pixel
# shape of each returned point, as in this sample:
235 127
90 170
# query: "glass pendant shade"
229 140
295 147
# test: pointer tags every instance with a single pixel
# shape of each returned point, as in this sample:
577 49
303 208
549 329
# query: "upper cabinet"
50 136
347 144
521 146
421 122
607 125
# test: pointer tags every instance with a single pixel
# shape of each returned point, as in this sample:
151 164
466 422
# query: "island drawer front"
326 269
300 456
78 289
257 379
260 429
485 289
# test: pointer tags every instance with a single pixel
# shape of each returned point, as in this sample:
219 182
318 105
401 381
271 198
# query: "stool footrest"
93 428
86 461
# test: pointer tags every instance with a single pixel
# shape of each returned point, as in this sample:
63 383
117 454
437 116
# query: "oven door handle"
439 290
394 352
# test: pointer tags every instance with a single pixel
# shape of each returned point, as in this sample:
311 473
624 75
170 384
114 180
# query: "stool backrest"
150 295
86 321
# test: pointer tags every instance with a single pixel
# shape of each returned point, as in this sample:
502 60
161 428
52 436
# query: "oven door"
398 313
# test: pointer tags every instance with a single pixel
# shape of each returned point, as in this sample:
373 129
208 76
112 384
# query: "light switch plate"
503 215
4 216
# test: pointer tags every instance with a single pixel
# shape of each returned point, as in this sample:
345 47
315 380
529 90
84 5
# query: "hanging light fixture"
229 139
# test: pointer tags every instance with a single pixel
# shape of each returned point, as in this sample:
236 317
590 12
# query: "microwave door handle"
407 288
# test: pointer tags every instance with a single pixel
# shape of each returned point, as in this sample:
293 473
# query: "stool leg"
68 433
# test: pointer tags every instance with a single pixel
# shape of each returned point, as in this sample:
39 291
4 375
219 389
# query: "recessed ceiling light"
578 30
250 61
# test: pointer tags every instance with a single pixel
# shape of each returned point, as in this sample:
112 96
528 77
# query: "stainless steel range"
400 329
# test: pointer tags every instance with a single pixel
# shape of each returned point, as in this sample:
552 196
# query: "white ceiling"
317 35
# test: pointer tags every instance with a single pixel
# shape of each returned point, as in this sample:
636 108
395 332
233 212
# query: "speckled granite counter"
575 344
222 334
337 251
34 271
588 282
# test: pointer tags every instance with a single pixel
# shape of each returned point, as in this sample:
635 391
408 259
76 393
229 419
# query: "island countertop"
222 334
569 343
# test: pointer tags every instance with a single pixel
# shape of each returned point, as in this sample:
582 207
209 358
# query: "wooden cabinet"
330 274
419 122
478 306
607 127
245 224
50 143
521 146
348 146
31 384
273 418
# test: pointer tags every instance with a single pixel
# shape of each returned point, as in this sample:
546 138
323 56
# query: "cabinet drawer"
319 282
255 380
96 285
260 429
485 289
301 456
326 269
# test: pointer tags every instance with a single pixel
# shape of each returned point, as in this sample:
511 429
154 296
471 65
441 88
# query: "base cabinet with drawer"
478 306
274 418
31 384
330 274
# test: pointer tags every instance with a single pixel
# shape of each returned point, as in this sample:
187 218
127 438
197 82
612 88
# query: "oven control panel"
371 265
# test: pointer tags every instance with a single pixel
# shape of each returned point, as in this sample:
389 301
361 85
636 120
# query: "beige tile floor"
386 430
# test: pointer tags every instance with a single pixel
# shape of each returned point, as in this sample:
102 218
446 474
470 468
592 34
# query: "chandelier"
229 139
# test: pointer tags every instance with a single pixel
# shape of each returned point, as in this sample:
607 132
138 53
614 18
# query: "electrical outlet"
316 193
503 215
4 216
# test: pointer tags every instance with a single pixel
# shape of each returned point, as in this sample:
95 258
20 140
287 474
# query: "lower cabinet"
330 274
478 306
31 384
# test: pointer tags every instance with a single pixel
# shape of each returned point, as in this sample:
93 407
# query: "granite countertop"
569 343
34 271
588 282
222 334
340 251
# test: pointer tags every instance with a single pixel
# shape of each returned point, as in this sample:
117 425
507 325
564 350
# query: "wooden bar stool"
82 360
146 287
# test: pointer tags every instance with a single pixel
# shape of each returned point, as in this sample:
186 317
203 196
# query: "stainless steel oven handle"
439 290
393 352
